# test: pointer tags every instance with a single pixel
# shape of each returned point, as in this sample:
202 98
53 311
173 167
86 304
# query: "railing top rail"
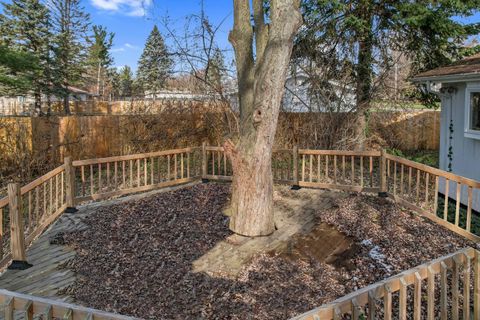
435 171
218 148
58 308
343 304
78 163
372 153
35 183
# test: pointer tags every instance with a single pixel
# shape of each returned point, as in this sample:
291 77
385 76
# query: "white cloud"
131 46
125 47
134 8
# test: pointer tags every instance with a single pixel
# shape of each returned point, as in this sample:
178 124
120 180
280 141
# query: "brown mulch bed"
136 258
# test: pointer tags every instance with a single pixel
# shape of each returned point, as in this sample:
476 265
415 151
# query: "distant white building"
300 97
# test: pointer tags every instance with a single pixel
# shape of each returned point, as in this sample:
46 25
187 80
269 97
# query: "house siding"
466 151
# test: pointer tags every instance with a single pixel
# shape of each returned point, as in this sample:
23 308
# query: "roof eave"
460 77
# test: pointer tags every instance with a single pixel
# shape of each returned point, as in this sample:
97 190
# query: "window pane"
475 111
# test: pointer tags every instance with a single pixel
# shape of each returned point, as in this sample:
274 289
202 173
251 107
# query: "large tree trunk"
261 88
364 72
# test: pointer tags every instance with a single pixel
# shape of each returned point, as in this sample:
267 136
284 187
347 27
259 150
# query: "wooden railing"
108 177
440 289
344 170
28 210
417 187
22 306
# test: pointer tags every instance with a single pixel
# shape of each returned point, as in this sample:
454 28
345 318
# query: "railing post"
476 285
295 185
383 175
17 231
70 185
204 162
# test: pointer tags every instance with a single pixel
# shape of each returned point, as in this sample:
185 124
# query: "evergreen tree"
354 39
154 65
71 24
99 58
25 27
17 70
126 82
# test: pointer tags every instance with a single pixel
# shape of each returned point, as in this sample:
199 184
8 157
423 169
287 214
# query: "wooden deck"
46 278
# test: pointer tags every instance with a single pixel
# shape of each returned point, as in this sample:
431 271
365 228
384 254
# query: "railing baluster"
361 171
145 172
409 181
387 302
108 175
335 169
91 180
401 180
445 205
181 165
130 167
469 208
371 171
138 173
115 175
99 178
466 287
395 178
457 206
352 161
371 305
168 168
310 173
319 171
430 293
326 168
443 291
417 199
303 167
427 187
402 302
417 297
455 300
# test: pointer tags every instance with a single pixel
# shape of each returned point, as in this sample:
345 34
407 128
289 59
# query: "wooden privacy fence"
28 210
446 288
22 306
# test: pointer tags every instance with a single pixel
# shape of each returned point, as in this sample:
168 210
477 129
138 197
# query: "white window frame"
469 133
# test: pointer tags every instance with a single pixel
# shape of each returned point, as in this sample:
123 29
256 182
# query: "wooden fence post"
204 162
70 185
17 231
383 175
295 185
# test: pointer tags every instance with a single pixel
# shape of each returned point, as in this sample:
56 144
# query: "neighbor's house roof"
465 69
75 90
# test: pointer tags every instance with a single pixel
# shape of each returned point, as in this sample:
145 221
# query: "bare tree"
261 77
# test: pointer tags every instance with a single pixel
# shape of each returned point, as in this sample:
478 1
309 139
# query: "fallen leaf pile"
135 258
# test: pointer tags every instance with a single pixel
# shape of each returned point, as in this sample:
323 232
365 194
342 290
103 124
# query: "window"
472 111
474 124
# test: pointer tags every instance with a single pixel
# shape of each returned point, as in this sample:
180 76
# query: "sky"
133 20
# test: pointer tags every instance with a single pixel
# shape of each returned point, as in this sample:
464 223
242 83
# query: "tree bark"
261 87
364 72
